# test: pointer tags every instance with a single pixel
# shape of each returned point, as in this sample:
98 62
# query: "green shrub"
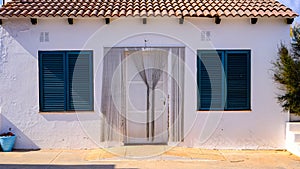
287 74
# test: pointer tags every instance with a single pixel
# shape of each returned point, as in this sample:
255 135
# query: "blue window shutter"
80 80
210 80
199 72
238 80
51 67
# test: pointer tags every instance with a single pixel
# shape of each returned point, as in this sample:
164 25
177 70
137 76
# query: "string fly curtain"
150 63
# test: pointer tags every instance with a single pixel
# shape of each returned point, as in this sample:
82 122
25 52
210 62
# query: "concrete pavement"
149 157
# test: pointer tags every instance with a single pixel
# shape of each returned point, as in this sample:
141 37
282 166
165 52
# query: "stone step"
293 126
292 139
294 148
293 136
297 137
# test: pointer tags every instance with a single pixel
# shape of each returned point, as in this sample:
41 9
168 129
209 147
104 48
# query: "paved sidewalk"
133 157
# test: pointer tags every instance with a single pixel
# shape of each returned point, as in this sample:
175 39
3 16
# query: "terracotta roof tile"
144 8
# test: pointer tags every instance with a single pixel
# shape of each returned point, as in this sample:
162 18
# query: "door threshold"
145 144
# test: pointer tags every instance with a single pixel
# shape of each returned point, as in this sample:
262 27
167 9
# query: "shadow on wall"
26 38
20 32
5 124
16 166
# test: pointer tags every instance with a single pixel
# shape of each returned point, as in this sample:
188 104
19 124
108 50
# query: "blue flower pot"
7 143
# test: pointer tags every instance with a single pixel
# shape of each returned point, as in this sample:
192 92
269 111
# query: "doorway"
142 95
147 96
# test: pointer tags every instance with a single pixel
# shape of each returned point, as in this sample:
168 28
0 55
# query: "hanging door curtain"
113 96
150 64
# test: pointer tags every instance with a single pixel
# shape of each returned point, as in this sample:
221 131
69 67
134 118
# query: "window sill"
67 112
224 111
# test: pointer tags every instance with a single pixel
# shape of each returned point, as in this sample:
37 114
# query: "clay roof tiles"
145 8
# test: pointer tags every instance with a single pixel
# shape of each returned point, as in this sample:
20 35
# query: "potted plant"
287 74
7 141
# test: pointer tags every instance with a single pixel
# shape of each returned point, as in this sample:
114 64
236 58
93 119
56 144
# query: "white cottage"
94 73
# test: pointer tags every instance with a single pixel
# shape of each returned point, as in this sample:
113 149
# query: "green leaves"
287 74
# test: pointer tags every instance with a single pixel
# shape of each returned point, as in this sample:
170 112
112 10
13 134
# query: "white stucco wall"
261 128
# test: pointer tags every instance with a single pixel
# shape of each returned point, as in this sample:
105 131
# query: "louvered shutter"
210 80
238 80
80 80
51 67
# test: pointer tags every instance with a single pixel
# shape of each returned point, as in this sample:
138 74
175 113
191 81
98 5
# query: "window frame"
223 53
66 82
